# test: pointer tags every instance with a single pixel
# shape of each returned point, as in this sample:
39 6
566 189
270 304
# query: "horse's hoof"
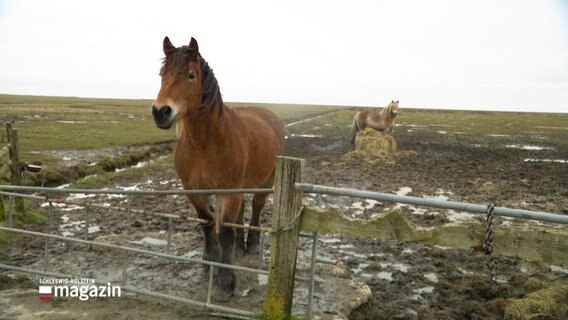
239 252
221 295
253 242
253 249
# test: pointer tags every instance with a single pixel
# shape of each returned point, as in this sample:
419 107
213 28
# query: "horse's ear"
168 46
396 101
193 44
392 101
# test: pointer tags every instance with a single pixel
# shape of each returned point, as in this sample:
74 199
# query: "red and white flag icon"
45 293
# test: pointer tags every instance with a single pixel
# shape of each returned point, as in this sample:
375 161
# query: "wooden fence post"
15 162
284 238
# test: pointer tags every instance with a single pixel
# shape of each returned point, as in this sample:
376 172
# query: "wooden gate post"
15 162
284 238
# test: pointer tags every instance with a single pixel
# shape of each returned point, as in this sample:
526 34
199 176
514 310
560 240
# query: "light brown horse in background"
219 148
380 121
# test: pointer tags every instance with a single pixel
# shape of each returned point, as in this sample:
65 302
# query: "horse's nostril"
162 113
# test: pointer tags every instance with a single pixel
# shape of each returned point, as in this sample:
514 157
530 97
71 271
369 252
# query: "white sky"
483 54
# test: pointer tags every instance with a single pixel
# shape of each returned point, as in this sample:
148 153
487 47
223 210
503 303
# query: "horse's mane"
386 112
177 61
211 99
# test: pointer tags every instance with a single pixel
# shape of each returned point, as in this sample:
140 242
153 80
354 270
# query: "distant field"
69 123
48 125
474 122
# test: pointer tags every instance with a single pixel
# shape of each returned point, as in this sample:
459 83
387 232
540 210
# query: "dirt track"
408 281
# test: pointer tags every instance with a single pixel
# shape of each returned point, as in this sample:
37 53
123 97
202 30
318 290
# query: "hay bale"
551 302
371 144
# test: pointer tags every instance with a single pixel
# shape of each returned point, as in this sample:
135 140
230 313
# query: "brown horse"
219 147
380 121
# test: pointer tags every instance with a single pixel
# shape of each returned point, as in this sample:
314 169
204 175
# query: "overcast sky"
483 54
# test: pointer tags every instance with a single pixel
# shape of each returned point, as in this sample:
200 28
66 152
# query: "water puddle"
361 206
151 241
528 147
262 279
71 122
307 135
554 268
93 229
558 128
547 160
428 289
431 276
497 135
403 191
191 254
384 275
330 240
454 216
300 121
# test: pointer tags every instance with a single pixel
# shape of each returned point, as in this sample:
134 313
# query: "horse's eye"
191 76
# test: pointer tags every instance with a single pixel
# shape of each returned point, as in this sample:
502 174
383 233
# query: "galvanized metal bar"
124 272
140 192
261 249
46 254
10 211
462 206
312 275
136 250
22 195
170 227
210 284
129 216
138 291
50 213
87 222
46 248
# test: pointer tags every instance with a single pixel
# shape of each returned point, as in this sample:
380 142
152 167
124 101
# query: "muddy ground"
406 280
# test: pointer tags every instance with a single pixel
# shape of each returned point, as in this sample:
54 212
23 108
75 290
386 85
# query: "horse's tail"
354 129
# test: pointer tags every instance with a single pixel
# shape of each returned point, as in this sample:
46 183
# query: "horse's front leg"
253 237
225 279
205 211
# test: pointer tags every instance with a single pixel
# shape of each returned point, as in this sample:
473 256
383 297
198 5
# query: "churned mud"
379 279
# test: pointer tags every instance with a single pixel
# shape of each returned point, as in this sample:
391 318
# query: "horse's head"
393 109
180 92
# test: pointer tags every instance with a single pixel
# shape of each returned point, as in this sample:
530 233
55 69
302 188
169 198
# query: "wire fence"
318 190
48 198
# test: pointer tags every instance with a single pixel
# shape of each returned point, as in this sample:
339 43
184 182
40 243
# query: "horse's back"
264 125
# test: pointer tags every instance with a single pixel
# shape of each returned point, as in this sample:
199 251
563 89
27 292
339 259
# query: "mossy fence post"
284 238
15 166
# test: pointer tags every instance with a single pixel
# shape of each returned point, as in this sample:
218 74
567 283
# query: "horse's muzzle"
163 117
